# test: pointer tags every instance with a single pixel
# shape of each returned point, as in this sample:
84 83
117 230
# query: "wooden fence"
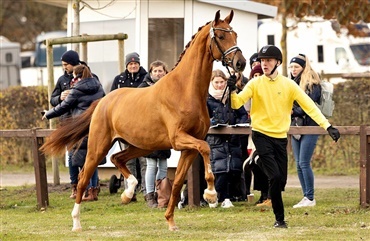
38 136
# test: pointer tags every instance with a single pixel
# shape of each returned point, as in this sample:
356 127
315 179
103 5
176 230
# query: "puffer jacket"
78 100
127 79
226 152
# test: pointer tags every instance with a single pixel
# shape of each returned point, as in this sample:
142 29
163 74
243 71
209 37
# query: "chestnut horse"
170 114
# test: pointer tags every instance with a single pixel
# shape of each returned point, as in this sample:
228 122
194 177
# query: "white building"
158 29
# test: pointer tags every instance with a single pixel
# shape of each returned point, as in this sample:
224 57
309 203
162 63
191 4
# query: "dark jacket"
160 154
78 100
226 153
147 81
126 79
315 95
62 84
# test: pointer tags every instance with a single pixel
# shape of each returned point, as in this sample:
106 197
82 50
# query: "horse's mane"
188 44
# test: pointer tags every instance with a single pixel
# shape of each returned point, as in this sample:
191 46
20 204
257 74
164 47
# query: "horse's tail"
69 133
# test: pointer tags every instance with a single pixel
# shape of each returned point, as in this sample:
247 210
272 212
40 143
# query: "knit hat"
132 57
256 69
71 57
299 59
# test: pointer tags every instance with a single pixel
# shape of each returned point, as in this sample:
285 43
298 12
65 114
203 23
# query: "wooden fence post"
40 171
364 167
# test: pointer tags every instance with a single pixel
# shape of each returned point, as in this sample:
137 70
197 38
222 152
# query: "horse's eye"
222 37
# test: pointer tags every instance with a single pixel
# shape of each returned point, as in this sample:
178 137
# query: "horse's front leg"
210 194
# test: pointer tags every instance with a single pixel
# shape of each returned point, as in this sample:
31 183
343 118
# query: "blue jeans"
94 180
151 174
73 171
303 151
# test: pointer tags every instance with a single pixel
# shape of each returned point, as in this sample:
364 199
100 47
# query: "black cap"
71 57
254 58
270 52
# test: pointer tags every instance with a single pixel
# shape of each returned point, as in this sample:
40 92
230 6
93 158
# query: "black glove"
231 82
334 133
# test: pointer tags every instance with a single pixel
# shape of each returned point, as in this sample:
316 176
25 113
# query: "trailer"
10 63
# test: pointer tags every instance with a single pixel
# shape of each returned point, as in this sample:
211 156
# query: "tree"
21 21
346 12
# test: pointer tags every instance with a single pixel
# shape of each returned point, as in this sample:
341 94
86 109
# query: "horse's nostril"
240 65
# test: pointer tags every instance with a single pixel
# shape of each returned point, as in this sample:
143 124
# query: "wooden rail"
38 136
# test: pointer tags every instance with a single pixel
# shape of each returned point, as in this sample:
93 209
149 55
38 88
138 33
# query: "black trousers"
274 163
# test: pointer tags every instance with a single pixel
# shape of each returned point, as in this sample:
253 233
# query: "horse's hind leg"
186 159
119 160
96 151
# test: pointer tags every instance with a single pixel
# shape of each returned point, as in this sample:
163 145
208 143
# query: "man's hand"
64 94
231 82
334 133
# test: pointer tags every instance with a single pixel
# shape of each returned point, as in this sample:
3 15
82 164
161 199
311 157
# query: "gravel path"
320 181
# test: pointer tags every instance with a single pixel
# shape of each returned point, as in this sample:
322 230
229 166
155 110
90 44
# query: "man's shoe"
305 202
266 203
280 224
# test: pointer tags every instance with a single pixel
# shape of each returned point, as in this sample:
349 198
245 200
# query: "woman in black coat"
85 89
226 153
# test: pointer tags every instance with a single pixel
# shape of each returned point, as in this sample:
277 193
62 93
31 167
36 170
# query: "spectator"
158 158
85 90
226 153
304 145
70 59
272 100
132 77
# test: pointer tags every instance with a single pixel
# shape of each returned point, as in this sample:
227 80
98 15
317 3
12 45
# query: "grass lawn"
337 216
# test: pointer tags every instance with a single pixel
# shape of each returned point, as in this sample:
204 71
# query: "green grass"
337 216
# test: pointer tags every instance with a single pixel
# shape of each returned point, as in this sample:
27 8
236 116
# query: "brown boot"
150 201
74 191
89 196
95 193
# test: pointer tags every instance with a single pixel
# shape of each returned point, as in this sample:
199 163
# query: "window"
320 53
340 56
166 40
9 57
270 39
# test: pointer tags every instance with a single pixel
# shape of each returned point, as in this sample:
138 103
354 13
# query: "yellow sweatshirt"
272 102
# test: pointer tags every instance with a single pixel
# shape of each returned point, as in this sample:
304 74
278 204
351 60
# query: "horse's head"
223 43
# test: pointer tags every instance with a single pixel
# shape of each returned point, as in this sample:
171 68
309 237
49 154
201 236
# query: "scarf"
217 94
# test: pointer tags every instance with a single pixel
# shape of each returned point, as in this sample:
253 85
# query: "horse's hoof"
76 229
210 196
173 228
125 199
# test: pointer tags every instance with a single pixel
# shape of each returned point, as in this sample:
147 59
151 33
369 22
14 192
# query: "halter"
225 61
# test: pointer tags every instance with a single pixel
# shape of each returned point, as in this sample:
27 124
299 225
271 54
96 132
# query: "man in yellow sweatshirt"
272 100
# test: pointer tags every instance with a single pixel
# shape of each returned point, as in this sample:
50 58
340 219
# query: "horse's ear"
229 18
217 17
